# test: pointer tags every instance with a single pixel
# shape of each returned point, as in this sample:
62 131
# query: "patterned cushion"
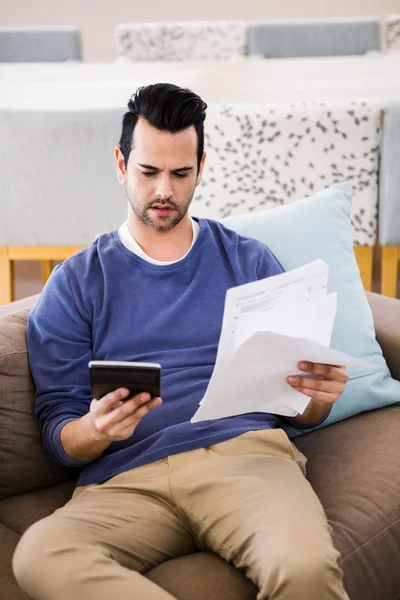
178 41
393 32
262 156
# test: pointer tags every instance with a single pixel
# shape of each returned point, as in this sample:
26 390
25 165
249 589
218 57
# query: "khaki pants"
246 499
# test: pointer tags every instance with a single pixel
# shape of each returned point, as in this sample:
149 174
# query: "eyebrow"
151 168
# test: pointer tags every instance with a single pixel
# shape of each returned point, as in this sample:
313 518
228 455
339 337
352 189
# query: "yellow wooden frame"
390 265
47 254
365 256
6 277
42 253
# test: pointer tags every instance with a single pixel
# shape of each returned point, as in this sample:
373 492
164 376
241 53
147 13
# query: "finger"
120 412
335 372
109 401
107 404
126 422
147 407
322 385
318 397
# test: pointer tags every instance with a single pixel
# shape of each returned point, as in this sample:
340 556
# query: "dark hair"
166 107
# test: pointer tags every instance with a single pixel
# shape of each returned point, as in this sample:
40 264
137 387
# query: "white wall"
97 18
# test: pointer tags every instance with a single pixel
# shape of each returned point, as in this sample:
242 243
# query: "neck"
162 245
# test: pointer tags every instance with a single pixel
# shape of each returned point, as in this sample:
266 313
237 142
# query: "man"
155 486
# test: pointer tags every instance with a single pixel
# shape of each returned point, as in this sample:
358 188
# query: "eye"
148 173
181 175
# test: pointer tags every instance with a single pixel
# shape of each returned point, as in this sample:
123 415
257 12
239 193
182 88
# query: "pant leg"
100 543
248 500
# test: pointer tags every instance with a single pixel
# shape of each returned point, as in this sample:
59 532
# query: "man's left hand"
325 389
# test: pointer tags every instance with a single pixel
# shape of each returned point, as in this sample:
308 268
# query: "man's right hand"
114 420
108 420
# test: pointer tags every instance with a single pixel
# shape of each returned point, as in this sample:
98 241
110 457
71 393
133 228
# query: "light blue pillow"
319 227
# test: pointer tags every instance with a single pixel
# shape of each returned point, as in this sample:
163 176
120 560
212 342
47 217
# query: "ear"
199 174
120 165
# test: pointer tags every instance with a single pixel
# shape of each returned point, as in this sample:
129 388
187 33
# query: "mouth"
162 211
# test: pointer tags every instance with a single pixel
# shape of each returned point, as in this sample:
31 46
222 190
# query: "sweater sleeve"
268 263
59 349
303 426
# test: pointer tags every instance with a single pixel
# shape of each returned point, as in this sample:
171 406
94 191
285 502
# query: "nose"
164 188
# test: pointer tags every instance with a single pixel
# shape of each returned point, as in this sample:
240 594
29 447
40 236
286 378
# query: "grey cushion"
389 178
81 198
314 37
39 44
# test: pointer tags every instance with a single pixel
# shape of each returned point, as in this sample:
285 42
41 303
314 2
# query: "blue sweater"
106 303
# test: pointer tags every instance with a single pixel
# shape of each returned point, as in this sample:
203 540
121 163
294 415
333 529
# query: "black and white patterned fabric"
178 41
261 156
393 32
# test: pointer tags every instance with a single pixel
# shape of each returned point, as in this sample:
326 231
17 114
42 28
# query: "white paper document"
268 327
274 293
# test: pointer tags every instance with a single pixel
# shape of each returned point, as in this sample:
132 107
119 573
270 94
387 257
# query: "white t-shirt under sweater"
129 242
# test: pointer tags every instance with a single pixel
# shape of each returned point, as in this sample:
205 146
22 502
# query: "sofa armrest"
12 307
386 313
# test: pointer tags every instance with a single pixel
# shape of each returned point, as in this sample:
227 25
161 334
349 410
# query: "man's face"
161 176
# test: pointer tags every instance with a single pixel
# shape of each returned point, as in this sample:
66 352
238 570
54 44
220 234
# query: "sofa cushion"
354 467
24 466
9 589
20 512
202 575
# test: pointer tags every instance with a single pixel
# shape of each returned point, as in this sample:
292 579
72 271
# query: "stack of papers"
268 327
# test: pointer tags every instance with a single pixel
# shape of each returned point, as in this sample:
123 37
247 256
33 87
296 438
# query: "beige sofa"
354 467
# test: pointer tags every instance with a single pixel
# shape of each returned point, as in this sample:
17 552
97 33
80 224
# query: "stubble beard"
148 218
